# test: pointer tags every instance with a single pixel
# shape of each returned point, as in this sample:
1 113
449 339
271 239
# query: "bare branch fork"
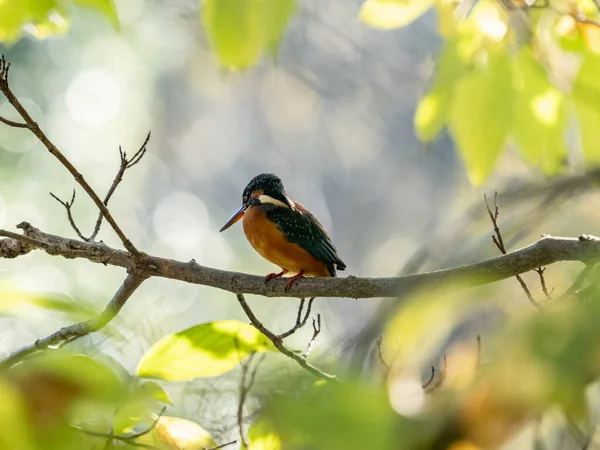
32 126
125 163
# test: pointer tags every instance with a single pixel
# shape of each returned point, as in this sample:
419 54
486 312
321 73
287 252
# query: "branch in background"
497 239
32 126
300 322
128 439
246 383
278 342
316 331
546 251
72 332
428 387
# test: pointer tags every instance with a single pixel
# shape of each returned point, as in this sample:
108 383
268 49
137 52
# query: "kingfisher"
284 232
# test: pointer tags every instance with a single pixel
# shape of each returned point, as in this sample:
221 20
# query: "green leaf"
480 115
14 429
205 350
106 7
94 378
136 407
586 98
540 116
154 391
340 416
241 30
388 14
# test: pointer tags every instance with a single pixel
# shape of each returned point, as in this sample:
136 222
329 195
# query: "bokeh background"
332 116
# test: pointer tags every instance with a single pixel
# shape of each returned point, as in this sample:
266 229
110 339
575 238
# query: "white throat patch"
273 201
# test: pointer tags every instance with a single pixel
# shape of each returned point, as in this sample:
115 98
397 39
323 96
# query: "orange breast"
272 245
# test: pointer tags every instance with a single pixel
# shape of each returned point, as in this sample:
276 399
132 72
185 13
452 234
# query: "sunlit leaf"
107 7
586 97
429 117
388 14
262 436
240 31
205 350
540 116
481 115
173 433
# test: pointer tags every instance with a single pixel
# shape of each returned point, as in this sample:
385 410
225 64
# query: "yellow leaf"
388 14
173 433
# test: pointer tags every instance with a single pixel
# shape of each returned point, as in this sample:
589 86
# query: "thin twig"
540 271
68 206
37 131
12 123
380 355
497 239
128 439
431 377
246 383
316 331
123 166
131 283
222 445
478 350
300 322
440 380
278 342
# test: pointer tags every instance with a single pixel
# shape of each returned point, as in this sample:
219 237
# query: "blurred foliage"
496 82
43 18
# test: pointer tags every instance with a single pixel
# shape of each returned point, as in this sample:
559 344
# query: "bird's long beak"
236 216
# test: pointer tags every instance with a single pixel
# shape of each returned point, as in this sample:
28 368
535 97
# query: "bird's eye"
244 198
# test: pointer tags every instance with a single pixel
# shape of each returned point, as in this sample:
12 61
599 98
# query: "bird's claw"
291 280
274 275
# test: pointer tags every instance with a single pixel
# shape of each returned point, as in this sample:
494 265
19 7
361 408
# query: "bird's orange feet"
292 279
275 275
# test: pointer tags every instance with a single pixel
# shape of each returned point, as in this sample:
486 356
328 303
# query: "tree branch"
32 126
546 251
72 332
278 342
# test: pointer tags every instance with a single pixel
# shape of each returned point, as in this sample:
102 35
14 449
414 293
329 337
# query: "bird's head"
265 188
